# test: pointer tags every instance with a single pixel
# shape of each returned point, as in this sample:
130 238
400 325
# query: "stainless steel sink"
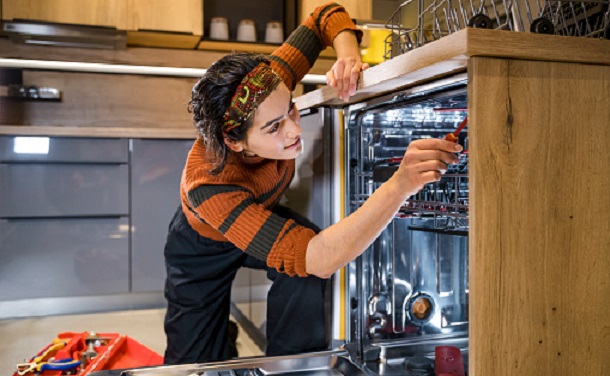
328 363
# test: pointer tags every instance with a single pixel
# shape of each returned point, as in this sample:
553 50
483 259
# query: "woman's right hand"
424 162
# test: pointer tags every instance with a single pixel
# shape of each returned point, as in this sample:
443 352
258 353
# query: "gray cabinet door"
63 177
43 258
63 189
156 168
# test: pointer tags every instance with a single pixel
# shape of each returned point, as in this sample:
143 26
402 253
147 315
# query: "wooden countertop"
99 132
450 55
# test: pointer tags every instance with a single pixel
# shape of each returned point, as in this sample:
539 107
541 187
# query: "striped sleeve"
254 229
293 59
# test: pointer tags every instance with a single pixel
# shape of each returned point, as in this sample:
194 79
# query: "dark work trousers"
200 272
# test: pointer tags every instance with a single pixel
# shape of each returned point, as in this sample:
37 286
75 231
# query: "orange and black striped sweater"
234 205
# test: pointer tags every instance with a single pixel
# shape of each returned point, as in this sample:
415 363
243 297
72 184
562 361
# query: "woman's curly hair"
212 95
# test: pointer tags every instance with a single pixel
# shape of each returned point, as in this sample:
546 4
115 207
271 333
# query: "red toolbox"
96 351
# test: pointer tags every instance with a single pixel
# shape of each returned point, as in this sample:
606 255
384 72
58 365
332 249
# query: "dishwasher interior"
408 292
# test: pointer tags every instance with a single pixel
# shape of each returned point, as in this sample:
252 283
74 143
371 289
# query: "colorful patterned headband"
251 92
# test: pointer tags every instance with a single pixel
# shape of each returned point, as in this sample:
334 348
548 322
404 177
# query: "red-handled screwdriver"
454 135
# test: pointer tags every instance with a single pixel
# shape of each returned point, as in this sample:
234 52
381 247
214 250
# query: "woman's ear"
236 146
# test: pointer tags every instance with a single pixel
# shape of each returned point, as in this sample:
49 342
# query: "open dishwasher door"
327 363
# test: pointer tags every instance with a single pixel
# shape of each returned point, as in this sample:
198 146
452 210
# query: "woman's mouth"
295 144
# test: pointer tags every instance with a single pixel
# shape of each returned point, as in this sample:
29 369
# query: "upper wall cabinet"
109 13
180 16
360 9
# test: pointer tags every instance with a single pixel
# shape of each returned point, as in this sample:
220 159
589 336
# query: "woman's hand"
424 162
346 70
344 76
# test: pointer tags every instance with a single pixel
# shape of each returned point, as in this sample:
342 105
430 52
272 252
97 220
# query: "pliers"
51 365
44 360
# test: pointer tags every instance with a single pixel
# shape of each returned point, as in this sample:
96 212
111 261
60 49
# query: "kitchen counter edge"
450 54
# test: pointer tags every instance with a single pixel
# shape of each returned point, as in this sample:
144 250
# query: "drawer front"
56 190
63 257
58 149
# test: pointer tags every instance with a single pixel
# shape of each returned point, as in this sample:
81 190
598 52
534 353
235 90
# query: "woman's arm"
424 162
295 57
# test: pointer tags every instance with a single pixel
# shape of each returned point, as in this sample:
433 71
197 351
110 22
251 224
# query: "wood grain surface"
540 223
182 16
104 100
109 13
362 9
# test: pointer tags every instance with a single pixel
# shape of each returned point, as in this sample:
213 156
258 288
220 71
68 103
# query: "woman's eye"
274 127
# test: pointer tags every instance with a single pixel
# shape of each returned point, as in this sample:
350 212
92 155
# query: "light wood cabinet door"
360 9
182 16
539 204
109 13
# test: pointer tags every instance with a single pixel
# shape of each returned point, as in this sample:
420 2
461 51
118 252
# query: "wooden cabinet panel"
110 13
183 16
109 100
539 208
361 9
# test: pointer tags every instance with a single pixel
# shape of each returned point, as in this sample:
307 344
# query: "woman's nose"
293 129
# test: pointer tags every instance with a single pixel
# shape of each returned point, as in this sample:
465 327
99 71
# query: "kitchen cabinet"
359 9
63 217
55 177
107 13
85 216
182 16
539 271
62 257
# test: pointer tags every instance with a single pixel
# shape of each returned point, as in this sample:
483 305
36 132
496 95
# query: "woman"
235 175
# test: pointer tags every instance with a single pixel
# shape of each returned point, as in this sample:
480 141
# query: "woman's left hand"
344 76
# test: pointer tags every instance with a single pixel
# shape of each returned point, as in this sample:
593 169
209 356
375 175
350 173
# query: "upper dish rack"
434 19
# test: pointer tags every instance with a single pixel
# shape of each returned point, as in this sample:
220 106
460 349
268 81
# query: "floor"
23 338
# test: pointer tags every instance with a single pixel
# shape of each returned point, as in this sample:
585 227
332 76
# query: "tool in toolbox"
45 360
86 352
92 341
50 365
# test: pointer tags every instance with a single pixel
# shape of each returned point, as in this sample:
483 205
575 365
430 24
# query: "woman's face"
275 132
